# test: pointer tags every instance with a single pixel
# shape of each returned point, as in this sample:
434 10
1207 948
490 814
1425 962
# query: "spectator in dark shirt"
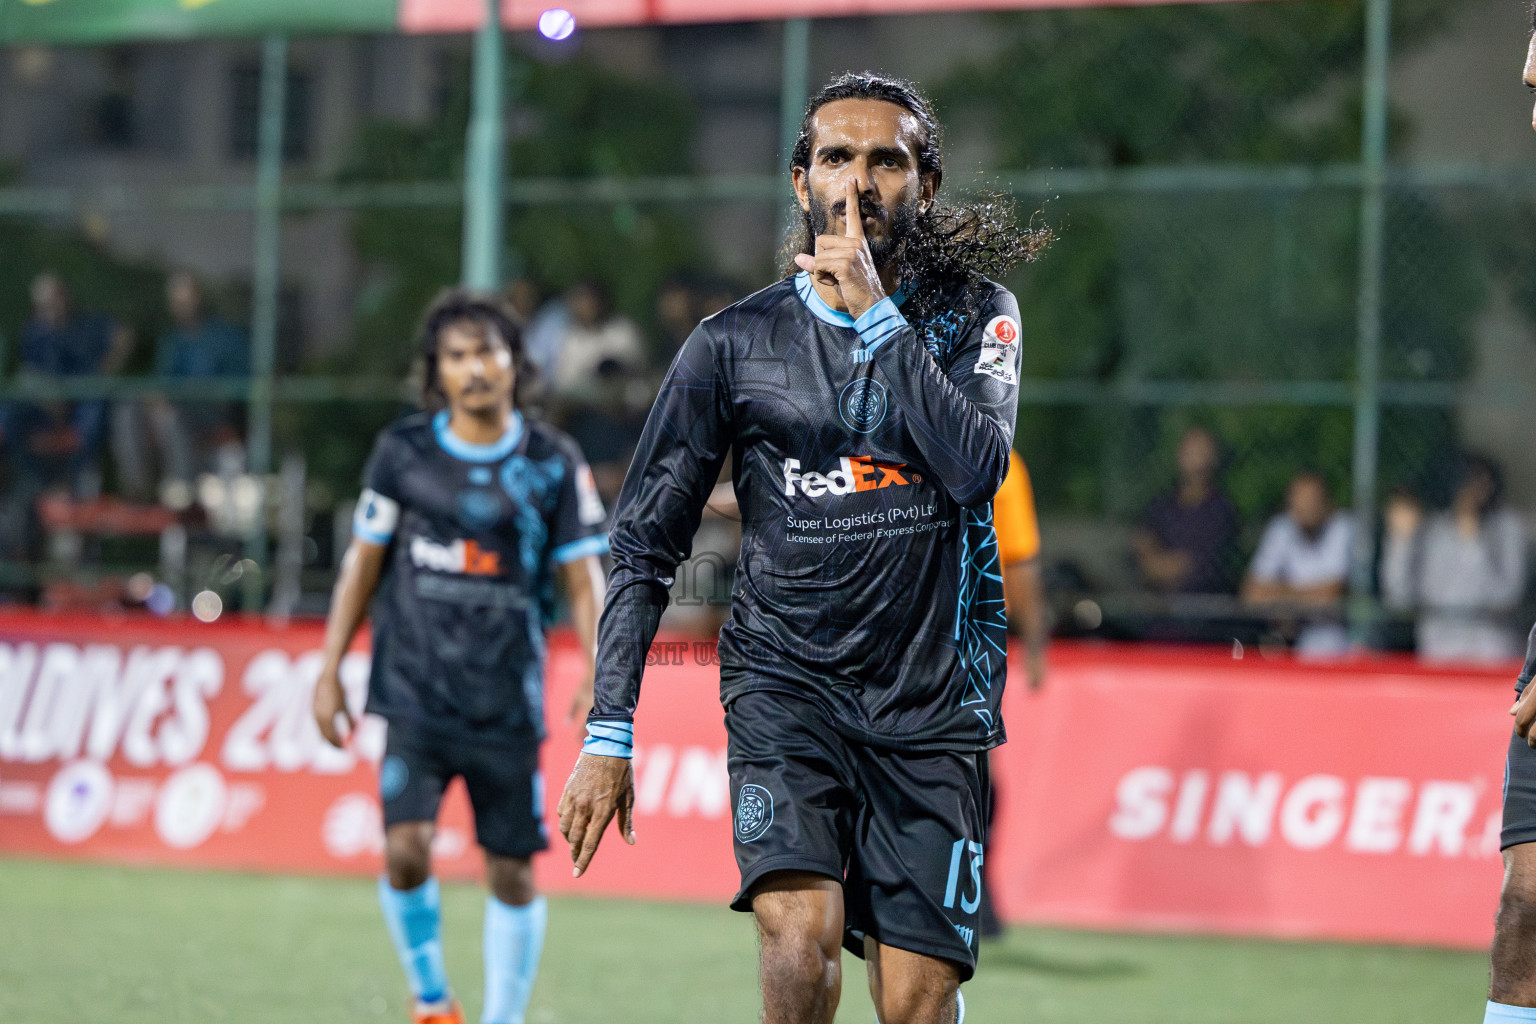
606 425
1187 536
59 443
198 345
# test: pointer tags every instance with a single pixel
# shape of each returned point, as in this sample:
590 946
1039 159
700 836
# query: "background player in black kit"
1512 974
867 405
465 511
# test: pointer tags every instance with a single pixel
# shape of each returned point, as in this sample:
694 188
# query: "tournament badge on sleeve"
1000 350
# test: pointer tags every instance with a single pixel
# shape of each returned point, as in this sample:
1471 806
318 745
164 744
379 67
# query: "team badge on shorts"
862 405
393 775
754 813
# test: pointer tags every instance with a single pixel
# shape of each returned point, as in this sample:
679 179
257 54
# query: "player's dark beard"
939 253
903 225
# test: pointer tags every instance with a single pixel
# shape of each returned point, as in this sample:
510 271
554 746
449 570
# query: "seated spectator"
606 425
676 313
1462 570
198 345
1185 542
1302 564
594 334
546 328
682 301
59 443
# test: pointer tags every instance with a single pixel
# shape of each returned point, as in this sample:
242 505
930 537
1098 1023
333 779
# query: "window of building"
245 115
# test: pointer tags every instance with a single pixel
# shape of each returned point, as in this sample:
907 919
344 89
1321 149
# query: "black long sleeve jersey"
865 459
474 532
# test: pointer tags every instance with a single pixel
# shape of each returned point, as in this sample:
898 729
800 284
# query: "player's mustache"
867 208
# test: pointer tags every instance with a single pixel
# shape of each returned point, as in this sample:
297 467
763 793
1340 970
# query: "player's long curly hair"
485 311
950 245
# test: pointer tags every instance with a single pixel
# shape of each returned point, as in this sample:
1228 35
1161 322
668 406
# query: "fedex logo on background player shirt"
464 557
854 473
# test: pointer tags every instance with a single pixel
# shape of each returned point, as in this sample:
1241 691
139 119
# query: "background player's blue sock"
514 939
415 924
1502 1013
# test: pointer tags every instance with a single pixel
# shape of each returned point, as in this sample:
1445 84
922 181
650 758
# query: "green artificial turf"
81 944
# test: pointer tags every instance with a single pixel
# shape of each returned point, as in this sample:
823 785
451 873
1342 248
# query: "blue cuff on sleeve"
597 544
610 739
879 323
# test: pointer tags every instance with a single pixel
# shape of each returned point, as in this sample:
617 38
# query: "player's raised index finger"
853 220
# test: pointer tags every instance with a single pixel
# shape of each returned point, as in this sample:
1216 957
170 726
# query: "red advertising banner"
1192 791
182 743
1140 789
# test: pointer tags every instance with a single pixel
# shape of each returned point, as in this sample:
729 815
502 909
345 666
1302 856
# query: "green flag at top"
101 21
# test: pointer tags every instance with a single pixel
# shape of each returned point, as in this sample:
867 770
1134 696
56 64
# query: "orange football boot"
444 1012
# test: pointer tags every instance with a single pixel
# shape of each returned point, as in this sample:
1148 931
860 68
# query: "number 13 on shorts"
968 904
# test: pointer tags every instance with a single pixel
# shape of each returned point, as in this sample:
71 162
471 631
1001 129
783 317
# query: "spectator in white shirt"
1462 570
592 336
1302 564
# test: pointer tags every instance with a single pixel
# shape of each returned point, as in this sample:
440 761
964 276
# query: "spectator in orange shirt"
1018 547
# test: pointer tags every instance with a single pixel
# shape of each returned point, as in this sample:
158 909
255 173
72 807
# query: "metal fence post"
794 90
484 151
265 285
1367 441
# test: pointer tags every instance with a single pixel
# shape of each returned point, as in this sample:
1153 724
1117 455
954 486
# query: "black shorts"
1519 794
505 785
902 832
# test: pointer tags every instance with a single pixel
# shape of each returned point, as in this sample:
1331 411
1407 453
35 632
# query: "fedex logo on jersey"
854 473
464 557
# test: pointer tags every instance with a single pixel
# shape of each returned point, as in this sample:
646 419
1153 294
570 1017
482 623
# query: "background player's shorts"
902 831
1519 794
505 785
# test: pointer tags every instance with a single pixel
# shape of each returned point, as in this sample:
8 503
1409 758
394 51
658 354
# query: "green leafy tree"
1207 284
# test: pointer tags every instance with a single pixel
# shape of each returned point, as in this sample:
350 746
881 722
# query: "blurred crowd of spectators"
1459 574
84 457
58 447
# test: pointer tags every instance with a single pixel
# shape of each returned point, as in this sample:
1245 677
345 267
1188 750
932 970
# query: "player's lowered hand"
1524 711
843 261
330 703
599 788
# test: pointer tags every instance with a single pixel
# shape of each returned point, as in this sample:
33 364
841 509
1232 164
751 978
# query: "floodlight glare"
557 23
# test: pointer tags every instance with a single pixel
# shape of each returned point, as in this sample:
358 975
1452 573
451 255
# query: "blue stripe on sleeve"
594 545
879 321
609 739
371 536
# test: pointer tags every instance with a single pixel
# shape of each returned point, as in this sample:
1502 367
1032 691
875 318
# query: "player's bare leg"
800 936
911 988
1512 979
510 879
408 853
